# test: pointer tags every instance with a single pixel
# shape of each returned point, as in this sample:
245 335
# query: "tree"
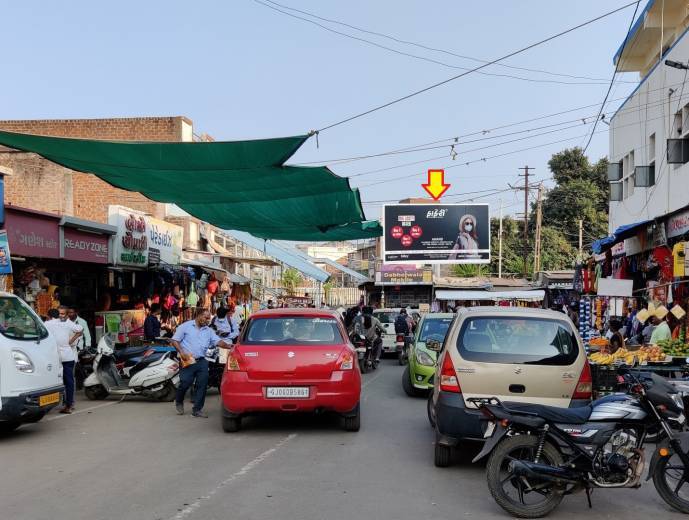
291 278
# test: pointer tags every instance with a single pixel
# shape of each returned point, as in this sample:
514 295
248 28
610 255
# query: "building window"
652 147
678 123
628 175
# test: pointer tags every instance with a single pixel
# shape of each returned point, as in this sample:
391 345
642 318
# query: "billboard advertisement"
436 233
403 274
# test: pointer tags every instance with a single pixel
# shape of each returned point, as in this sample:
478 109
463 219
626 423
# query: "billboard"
436 233
404 274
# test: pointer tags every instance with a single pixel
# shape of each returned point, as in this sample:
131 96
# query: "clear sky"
240 70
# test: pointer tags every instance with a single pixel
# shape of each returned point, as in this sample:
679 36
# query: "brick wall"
38 184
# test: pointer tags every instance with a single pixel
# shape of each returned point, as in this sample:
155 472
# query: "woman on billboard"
467 239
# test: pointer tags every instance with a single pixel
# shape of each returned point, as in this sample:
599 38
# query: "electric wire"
612 80
476 69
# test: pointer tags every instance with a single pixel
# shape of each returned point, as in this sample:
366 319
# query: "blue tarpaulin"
621 233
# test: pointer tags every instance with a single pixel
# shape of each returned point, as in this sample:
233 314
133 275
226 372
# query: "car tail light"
345 361
234 362
584 387
448 376
400 338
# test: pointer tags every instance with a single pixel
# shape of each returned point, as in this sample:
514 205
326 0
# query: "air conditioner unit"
644 176
615 191
615 171
677 151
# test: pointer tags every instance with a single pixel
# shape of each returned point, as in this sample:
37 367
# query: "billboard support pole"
526 217
500 244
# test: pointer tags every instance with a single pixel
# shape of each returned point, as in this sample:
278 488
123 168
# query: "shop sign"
81 246
678 225
142 240
33 234
5 263
436 234
618 249
403 274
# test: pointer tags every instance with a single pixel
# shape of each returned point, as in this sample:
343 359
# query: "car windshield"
434 327
535 341
17 321
386 317
291 330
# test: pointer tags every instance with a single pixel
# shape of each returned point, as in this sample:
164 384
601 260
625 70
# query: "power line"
476 69
592 81
612 80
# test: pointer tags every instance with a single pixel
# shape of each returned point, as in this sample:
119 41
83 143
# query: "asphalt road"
138 460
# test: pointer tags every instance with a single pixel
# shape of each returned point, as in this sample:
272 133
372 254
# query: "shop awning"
240 185
620 234
451 294
285 254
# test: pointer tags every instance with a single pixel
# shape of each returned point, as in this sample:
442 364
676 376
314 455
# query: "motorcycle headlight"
422 358
22 362
679 402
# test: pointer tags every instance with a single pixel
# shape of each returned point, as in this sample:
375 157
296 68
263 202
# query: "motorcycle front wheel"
671 484
517 495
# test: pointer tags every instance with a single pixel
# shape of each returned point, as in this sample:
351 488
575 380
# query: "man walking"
192 338
85 340
66 334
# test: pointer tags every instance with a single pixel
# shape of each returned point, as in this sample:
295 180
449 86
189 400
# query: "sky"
241 70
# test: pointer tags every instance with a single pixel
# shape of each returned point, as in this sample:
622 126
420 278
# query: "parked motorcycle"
153 374
365 353
539 454
216 366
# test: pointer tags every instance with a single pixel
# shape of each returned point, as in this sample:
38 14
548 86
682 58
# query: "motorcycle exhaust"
533 470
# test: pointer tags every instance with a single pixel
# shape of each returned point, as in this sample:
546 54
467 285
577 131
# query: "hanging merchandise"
599 314
192 297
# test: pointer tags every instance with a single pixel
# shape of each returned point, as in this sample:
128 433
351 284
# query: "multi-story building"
649 133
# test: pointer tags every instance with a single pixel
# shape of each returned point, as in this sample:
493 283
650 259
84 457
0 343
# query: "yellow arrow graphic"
436 186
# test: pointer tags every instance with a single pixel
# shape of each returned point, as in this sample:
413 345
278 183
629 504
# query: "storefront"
57 260
401 285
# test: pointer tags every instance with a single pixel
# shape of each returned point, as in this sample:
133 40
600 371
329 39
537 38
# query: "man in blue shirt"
193 338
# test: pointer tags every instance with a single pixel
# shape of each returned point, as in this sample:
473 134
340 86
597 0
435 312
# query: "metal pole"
500 244
581 237
526 218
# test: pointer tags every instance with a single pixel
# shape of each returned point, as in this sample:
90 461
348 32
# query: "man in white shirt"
66 333
225 324
85 340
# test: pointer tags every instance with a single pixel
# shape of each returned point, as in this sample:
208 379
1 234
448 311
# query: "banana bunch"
600 358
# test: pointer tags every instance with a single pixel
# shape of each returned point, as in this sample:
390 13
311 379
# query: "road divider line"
62 416
189 509
371 380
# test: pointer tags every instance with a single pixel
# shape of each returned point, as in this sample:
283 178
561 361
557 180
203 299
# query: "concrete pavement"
138 460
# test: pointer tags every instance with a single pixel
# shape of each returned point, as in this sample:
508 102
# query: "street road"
138 460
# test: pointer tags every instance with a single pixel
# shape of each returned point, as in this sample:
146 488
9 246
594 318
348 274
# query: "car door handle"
517 389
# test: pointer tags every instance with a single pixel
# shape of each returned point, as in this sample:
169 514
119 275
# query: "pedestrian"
152 325
662 329
270 304
192 339
85 340
225 325
66 333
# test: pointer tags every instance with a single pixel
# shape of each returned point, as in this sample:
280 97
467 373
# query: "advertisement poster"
436 233
5 263
404 274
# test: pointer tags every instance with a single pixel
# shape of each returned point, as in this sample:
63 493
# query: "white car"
387 317
30 368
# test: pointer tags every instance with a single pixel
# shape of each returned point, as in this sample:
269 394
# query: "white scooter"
155 375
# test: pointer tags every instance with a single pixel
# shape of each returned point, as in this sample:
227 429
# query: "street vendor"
662 329
616 338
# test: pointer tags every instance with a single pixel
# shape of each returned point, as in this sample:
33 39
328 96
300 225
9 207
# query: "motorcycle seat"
554 414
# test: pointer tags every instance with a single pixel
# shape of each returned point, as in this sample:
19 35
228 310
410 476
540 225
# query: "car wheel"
352 423
430 410
406 383
8 426
95 393
231 424
443 455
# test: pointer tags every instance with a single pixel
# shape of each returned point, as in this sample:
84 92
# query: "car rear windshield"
386 317
530 341
17 321
293 330
434 327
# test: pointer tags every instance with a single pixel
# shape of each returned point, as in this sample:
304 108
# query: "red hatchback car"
291 360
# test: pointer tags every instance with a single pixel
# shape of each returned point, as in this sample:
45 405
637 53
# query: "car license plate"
47 399
287 392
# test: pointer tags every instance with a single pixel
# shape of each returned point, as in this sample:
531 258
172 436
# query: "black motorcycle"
539 454
365 352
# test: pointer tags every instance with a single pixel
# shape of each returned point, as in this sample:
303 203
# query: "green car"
417 378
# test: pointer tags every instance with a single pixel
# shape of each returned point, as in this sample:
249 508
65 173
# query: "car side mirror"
434 345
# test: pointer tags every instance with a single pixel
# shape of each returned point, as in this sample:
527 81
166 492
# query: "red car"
291 360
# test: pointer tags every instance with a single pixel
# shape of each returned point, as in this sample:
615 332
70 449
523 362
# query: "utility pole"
581 237
539 218
526 217
500 244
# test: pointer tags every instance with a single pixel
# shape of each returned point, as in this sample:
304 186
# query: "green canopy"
241 185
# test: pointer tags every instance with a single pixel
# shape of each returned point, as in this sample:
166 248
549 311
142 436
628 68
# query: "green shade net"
240 185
